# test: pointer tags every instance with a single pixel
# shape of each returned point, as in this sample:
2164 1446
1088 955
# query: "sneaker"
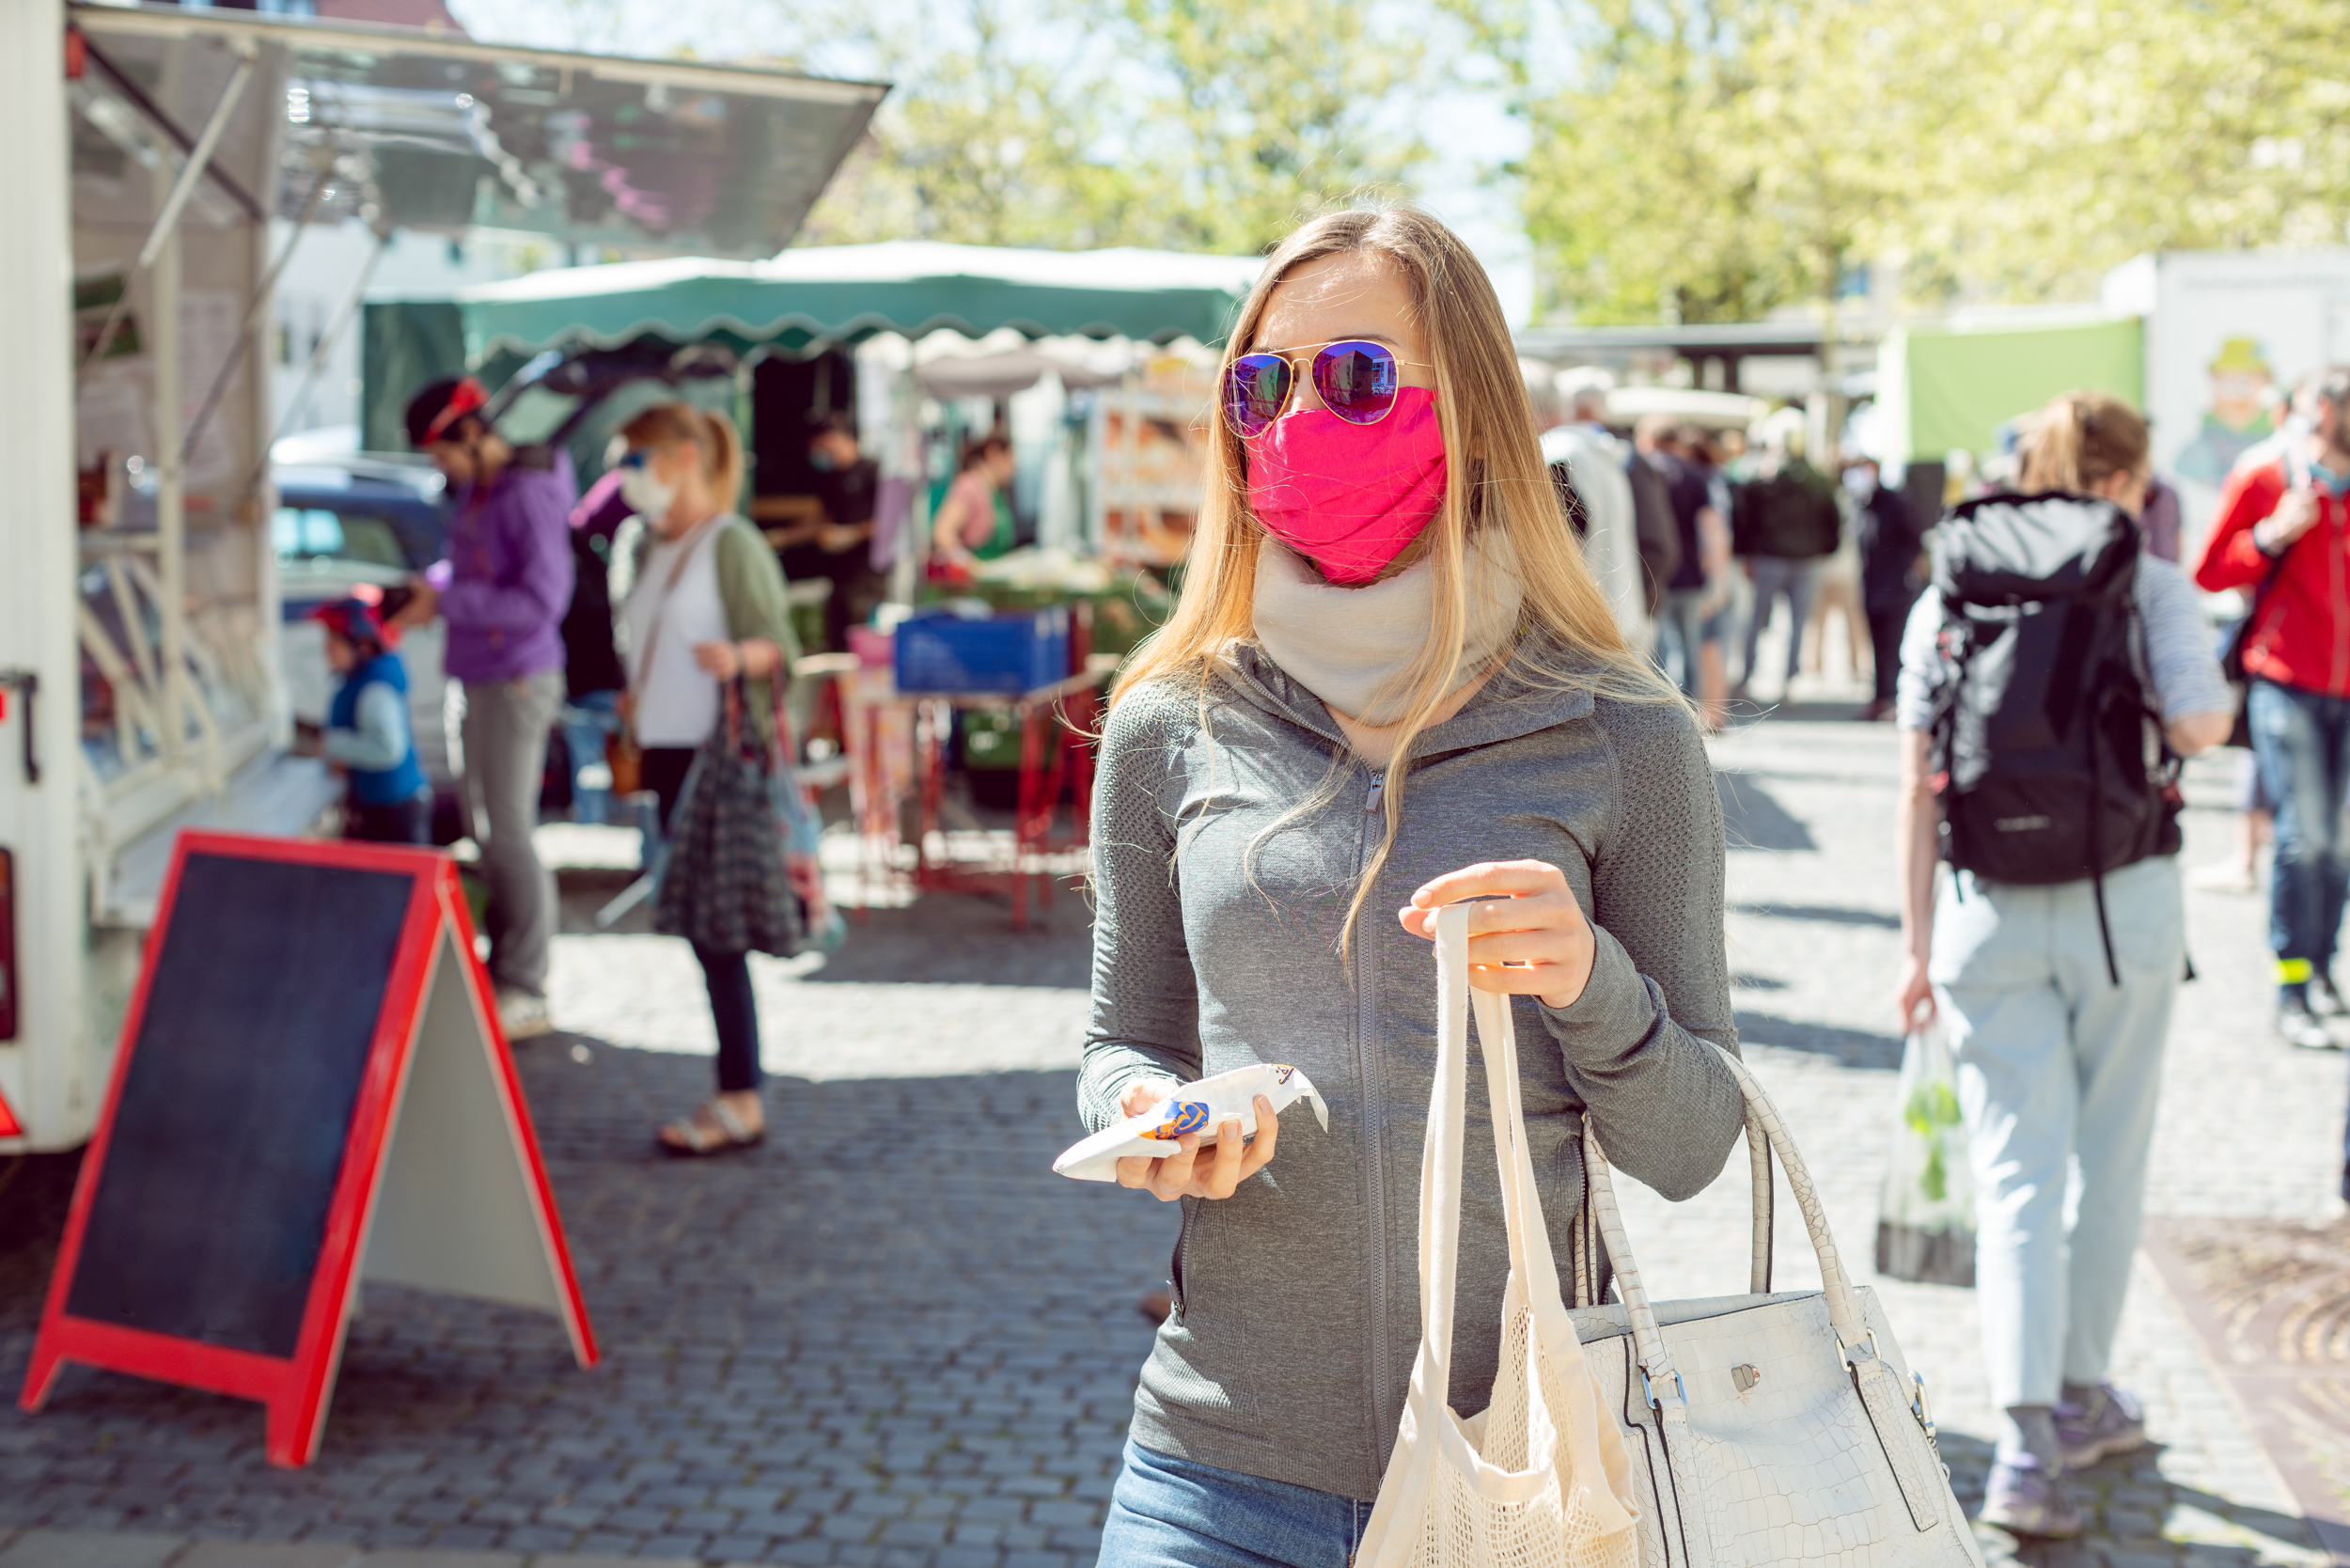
522 1015
2107 1423
2025 1497
2298 1025
2325 1000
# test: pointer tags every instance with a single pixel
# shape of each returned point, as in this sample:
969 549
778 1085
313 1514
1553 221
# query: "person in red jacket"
2282 534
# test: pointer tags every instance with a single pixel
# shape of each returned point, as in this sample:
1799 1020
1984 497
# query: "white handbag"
1762 1428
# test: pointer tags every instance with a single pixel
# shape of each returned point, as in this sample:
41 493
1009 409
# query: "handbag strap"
2298 477
688 548
1440 1157
1843 1306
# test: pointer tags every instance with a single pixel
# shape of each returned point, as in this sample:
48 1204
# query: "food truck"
140 612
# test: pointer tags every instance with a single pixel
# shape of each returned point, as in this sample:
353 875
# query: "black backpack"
2048 754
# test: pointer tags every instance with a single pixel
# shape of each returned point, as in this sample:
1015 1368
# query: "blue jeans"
1683 631
1798 582
1170 1512
2302 740
587 719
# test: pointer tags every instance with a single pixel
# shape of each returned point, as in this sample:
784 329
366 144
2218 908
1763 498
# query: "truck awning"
427 132
838 293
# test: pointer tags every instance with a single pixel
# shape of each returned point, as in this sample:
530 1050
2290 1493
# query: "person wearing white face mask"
707 605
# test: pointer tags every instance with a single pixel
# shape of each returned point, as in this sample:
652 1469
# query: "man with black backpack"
2049 681
2282 533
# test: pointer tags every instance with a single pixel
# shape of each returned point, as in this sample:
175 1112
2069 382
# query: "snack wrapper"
1199 1108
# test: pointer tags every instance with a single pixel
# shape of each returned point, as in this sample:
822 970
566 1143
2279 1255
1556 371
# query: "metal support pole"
167 215
171 501
254 307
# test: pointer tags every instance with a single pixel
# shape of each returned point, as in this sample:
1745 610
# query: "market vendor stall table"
1051 764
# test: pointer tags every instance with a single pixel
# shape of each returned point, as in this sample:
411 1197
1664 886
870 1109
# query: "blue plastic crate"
1010 653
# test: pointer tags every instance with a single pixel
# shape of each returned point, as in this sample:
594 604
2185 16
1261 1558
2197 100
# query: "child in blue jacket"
367 735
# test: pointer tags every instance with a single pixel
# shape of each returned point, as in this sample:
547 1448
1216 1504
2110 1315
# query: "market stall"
1097 365
140 617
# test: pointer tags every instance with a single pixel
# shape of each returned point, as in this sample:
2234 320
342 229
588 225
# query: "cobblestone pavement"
841 1349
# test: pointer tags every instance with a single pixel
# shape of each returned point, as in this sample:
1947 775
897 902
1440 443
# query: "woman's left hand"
753 656
1527 936
722 659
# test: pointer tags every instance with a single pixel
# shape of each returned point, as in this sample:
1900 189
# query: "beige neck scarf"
1351 647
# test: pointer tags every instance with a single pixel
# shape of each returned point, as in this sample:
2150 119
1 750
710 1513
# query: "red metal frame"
296 1390
1071 704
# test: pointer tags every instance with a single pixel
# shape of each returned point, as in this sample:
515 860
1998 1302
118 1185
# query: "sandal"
713 1129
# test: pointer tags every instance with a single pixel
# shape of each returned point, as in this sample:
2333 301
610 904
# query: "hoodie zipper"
1374 1115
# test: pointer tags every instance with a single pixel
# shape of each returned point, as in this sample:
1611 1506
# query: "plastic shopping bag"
1926 1216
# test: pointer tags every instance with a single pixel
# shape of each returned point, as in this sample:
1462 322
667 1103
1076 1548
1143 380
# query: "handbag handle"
1843 1306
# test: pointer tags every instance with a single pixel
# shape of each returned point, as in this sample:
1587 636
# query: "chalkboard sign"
311 1087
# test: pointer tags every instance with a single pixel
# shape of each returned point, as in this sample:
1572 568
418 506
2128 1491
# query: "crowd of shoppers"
1704 511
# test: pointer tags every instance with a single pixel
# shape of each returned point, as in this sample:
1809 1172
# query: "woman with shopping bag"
710 650
1391 683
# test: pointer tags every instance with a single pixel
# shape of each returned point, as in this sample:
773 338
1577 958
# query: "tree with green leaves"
1717 159
1188 124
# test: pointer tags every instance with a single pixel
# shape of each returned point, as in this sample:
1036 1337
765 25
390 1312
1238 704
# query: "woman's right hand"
1181 1174
1915 992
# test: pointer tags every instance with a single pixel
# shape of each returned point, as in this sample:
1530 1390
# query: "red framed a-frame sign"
312 1091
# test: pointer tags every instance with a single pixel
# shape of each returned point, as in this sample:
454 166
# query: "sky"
1478 132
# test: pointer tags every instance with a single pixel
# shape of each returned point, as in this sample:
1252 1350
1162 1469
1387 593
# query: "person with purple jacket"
503 588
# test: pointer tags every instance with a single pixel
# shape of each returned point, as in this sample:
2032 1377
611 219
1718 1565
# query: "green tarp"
838 293
1949 389
808 298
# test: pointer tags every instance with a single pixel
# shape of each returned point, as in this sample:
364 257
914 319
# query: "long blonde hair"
705 428
1498 482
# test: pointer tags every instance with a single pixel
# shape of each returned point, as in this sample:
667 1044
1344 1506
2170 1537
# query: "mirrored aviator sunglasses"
1356 380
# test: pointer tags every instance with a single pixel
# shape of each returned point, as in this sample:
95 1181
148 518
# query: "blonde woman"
708 606
2057 993
1391 684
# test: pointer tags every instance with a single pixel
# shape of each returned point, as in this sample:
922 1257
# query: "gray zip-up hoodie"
1298 1298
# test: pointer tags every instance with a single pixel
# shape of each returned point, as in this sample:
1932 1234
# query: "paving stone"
441 1560
43 1548
267 1554
800 1367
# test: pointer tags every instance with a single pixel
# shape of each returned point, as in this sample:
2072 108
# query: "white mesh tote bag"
1541 1479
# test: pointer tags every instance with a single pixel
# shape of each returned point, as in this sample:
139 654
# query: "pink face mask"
1350 497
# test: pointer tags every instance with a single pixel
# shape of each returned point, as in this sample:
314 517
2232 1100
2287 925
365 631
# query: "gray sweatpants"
2058 1073
506 759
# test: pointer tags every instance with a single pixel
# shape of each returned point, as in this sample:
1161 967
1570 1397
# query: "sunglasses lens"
1356 380
1256 386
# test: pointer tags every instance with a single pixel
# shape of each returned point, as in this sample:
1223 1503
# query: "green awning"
1950 389
842 293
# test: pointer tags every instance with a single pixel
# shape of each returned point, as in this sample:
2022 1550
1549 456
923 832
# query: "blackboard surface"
211 1211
